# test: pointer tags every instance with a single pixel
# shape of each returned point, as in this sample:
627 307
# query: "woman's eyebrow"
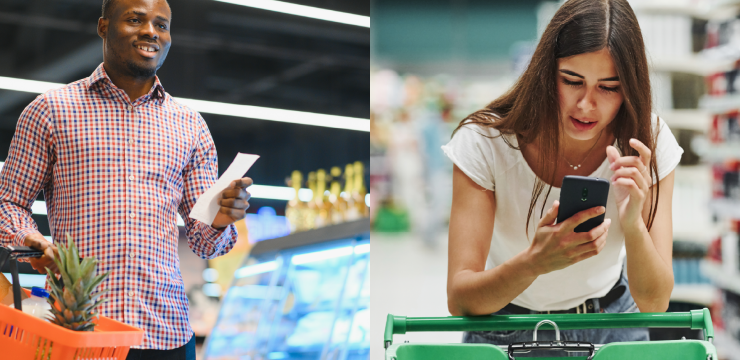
614 78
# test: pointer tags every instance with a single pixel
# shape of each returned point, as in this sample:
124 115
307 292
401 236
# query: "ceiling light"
218 108
306 11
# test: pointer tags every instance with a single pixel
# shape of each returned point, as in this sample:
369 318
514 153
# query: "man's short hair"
107 8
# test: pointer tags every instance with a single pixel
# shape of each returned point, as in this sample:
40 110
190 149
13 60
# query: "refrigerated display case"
302 296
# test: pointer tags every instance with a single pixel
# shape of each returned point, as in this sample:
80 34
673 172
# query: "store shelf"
720 104
701 294
727 346
692 64
691 119
714 10
715 152
725 208
719 277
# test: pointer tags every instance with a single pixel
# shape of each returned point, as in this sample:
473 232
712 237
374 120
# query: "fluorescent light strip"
306 11
362 249
280 115
212 107
329 254
256 269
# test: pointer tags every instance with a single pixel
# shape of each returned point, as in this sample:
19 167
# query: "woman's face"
589 91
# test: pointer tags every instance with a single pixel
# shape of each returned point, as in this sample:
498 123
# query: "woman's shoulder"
667 150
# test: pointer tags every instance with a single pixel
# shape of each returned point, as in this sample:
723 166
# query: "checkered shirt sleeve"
25 172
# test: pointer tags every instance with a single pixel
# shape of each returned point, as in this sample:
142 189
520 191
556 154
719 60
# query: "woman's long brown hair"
531 110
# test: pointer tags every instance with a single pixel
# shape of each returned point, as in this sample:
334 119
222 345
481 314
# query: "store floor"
410 279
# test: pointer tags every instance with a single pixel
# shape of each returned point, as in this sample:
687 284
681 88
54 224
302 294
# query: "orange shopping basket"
23 336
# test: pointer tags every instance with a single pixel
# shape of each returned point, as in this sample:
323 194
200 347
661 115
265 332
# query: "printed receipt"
207 206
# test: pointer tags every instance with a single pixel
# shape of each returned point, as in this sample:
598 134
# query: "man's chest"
109 142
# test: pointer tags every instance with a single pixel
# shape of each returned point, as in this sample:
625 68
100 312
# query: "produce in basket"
73 305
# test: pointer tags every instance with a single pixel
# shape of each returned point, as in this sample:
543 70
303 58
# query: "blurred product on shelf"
328 206
411 118
725 128
303 296
297 210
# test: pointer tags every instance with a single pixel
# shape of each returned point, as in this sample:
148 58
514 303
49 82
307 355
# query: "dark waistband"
587 306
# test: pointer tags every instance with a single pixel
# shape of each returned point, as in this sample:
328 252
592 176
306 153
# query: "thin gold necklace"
587 155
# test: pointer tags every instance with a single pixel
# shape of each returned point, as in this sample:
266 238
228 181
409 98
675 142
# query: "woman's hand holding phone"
557 246
630 182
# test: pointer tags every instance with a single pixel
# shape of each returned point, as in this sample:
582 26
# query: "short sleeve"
472 152
667 151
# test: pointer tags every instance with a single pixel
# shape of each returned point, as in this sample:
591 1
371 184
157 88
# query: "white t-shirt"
495 166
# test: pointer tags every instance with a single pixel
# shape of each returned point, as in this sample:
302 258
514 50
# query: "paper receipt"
207 206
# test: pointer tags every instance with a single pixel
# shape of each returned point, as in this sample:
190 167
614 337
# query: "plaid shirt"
114 174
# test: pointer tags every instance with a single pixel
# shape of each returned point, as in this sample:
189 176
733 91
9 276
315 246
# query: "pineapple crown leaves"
73 305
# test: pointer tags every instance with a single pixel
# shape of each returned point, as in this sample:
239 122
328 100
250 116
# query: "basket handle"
695 319
12 253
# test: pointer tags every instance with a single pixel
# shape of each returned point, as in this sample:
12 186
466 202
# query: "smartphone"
580 193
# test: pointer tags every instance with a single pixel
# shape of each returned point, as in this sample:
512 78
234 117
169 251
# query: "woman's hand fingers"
612 153
580 217
643 150
631 173
627 161
590 249
550 216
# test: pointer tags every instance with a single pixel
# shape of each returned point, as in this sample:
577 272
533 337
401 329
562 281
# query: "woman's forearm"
650 276
485 292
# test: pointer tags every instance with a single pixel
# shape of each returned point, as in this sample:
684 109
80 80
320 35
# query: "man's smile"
147 50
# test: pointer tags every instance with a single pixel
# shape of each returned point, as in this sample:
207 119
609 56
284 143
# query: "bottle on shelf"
359 190
320 199
349 184
311 208
295 211
338 205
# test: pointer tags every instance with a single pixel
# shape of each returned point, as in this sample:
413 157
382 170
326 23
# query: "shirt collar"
157 91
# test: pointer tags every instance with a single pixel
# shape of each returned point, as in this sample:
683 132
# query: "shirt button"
131 141
130 108
131 177
131 294
132 255
132 215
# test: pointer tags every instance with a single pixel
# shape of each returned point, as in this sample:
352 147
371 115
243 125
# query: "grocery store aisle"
407 278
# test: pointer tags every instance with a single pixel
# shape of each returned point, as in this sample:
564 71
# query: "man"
117 159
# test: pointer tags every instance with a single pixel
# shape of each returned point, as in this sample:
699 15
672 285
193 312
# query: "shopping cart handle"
13 253
695 319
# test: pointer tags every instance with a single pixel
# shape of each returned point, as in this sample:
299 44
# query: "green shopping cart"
636 350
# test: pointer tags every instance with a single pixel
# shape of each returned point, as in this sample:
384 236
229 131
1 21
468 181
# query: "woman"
582 102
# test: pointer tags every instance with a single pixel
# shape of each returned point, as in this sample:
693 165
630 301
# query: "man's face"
137 36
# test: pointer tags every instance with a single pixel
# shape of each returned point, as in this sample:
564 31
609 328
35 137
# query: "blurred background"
292 56
435 62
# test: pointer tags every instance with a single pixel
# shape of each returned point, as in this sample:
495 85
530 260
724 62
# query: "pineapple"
73 305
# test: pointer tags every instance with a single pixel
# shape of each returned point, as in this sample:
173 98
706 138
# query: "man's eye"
134 20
